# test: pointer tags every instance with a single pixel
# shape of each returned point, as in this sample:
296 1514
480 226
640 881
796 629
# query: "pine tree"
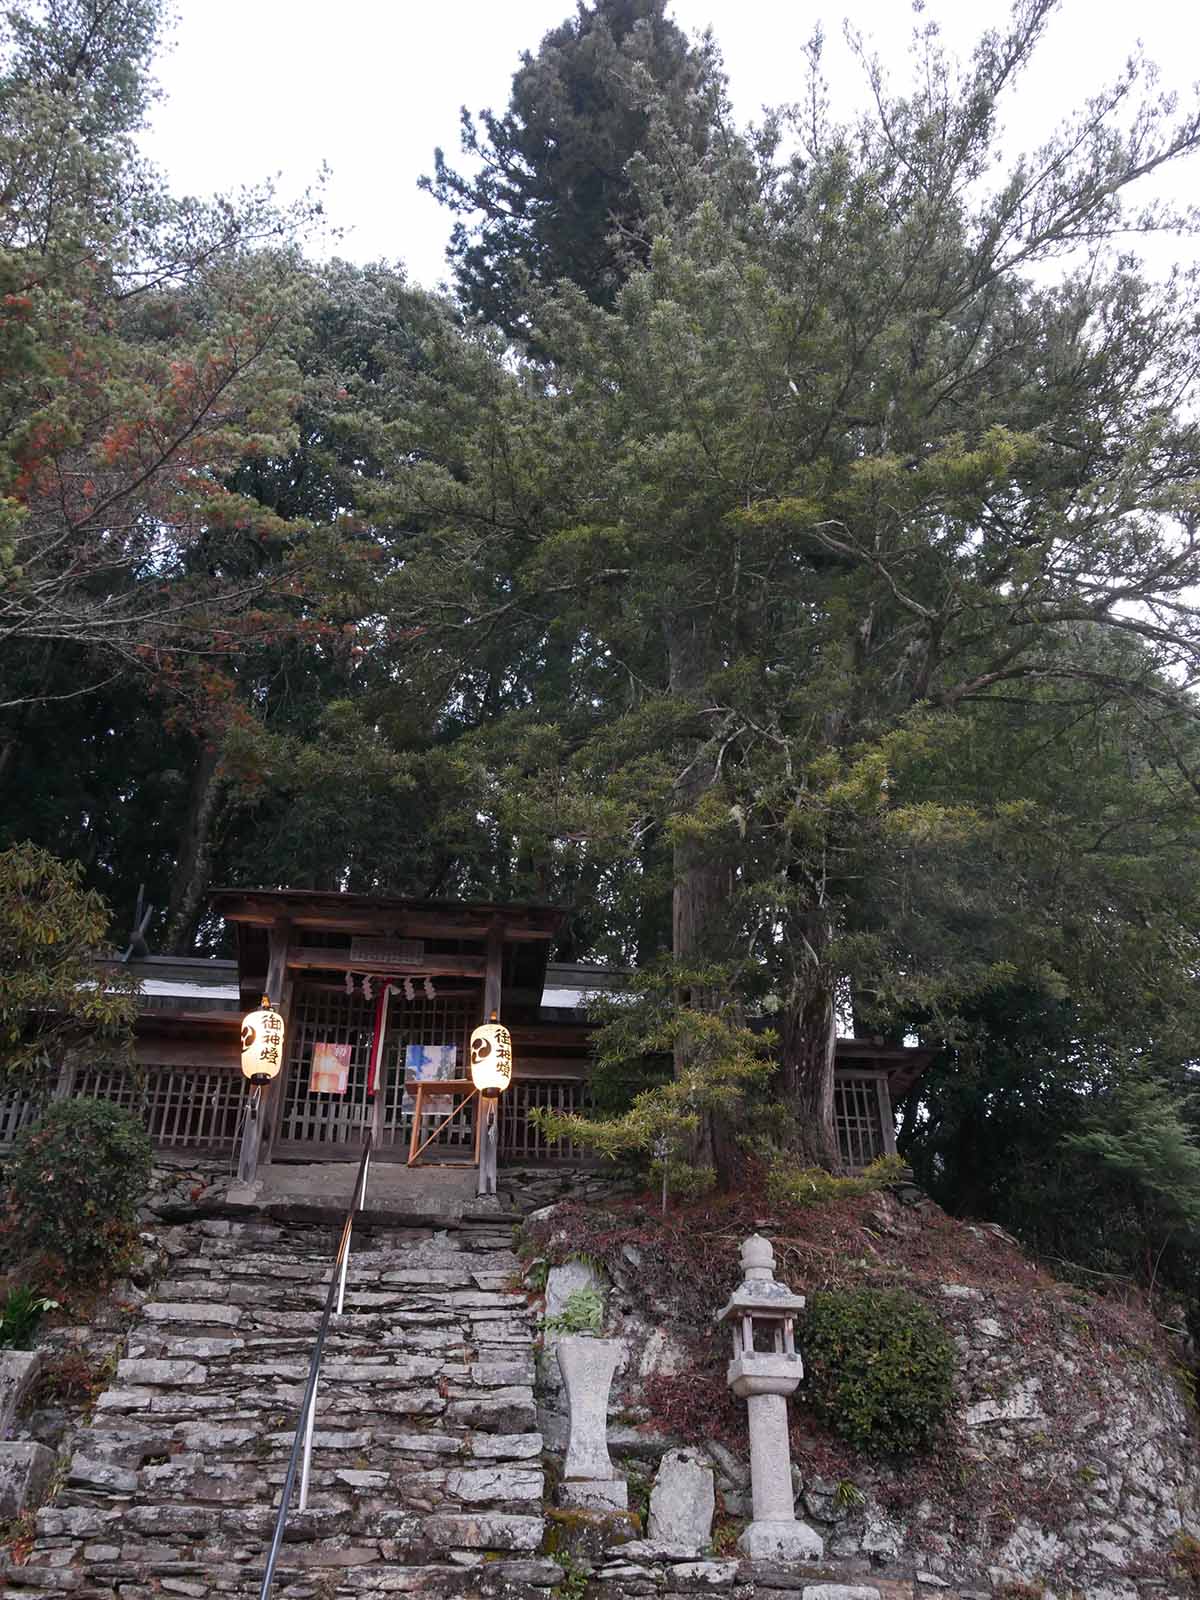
830 483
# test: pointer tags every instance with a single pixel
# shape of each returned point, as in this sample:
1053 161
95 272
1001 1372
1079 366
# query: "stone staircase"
427 1473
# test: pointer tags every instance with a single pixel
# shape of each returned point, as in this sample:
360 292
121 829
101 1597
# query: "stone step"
201 1300
415 1258
146 1571
133 1446
427 1473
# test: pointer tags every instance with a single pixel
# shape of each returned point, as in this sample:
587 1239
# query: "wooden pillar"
64 1086
262 1109
495 970
279 987
251 1137
887 1117
487 1107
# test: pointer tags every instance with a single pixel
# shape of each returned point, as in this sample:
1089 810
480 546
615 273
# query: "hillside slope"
1069 1462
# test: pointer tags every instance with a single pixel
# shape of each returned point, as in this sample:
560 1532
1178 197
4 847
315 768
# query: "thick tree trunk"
191 877
808 1039
700 894
701 891
808 1031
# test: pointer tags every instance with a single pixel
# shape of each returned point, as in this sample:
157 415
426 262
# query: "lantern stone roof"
759 1293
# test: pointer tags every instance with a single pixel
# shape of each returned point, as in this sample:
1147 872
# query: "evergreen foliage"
75 1181
830 515
553 197
53 995
879 1368
1138 1136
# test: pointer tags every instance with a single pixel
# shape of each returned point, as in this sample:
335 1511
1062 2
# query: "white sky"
257 88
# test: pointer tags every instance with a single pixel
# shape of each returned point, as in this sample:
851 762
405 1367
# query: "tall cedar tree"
552 197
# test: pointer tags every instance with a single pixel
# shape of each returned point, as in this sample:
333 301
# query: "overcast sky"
263 87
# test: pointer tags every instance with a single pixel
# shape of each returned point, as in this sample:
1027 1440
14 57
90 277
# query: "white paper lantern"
491 1057
262 1043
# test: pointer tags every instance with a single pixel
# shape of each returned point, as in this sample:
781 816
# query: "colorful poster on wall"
330 1069
430 1063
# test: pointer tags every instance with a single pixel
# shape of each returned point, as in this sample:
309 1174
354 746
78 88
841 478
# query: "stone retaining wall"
1082 1427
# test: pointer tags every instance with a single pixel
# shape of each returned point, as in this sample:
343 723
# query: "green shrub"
879 1368
788 1184
75 1181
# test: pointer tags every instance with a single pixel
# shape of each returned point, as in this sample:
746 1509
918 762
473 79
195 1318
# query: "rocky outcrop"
1071 1464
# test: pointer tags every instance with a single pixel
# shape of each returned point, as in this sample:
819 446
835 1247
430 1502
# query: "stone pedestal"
764 1380
589 1478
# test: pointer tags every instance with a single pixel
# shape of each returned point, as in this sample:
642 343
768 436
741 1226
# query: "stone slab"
594 1494
487 1531
19 1371
481 1485
838 1591
25 1472
683 1500
424 1191
506 1446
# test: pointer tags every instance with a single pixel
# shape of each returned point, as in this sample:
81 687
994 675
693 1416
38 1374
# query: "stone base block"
25 1472
588 1536
600 1494
781 1541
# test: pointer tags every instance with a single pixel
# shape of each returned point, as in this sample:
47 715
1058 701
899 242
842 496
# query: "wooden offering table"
423 1089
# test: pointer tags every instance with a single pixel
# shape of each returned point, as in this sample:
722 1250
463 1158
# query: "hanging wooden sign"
387 952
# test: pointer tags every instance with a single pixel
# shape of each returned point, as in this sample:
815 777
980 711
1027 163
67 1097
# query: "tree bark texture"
808 1040
191 877
700 894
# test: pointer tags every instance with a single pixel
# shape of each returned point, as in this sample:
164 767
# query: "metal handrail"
308 1406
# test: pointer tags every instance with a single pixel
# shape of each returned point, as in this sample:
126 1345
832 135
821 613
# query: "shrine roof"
370 913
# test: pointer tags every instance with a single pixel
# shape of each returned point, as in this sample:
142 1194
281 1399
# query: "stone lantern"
765 1369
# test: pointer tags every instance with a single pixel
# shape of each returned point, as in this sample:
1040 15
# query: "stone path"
427 1473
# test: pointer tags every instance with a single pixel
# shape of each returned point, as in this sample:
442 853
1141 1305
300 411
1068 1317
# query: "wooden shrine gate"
392 989
328 1126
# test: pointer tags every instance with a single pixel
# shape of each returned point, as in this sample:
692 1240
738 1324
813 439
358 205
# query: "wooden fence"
200 1109
194 1108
